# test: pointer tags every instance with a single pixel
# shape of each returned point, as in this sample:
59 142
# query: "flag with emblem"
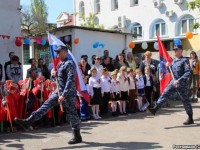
54 42
164 74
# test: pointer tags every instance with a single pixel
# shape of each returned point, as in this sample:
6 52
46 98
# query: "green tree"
40 14
195 4
27 20
90 21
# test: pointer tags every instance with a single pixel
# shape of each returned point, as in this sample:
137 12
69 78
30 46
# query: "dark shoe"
25 123
189 120
76 137
153 110
125 113
121 113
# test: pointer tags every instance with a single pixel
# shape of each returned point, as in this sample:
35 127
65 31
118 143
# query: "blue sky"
55 7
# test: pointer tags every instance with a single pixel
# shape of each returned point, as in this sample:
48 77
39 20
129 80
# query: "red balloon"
76 40
18 42
131 45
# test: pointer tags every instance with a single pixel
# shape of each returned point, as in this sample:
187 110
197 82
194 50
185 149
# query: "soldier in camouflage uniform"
67 89
181 70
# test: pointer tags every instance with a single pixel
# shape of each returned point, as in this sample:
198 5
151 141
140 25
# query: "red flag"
164 74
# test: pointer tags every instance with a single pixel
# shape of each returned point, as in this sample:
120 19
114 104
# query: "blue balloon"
101 45
44 41
95 45
177 41
27 41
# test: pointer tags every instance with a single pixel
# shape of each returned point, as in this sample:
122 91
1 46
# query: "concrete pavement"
134 131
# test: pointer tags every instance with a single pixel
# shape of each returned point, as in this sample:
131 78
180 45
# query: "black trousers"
148 93
104 103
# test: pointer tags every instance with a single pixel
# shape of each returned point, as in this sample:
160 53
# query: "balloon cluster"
41 41
97 44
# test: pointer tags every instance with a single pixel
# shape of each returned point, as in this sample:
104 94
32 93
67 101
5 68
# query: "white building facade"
170 18
10 25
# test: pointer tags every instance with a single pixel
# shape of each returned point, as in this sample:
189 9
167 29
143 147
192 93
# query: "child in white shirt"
132 105
105 90
115 91
140 87
95 92
124 89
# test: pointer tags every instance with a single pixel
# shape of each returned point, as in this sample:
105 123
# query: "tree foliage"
90 21
27 19
34 19
192 5
39 11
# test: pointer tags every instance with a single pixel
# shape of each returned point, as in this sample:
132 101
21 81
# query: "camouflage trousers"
68 104
183 92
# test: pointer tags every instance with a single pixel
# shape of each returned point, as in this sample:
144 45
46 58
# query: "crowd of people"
116 86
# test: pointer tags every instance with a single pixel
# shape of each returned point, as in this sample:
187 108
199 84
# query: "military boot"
76 137
153 110
25 123
189 120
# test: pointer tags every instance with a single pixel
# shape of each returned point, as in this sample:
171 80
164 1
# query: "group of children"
128 91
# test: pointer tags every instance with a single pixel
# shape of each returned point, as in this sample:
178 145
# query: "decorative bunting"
19 39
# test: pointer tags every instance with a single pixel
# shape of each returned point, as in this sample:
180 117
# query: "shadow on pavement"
116 145
184 126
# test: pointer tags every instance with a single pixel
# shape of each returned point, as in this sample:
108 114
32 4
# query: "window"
114 4
137 29
82 9
186 25
160 28
133 2
26 53
97 6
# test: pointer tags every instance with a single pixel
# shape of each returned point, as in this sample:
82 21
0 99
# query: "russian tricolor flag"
54 42
164 74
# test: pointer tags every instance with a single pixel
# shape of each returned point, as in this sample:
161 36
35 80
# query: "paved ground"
134 131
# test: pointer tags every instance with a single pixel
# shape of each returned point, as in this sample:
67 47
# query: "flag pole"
171 73
61 107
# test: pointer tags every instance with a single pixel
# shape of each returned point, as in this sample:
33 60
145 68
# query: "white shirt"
114 86
123 85
105 84
94 82
147 80
132 83
139 82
